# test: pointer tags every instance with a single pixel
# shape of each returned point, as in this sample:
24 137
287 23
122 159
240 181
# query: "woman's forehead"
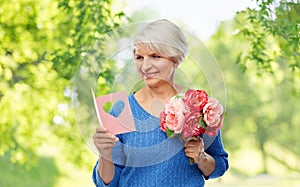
144 48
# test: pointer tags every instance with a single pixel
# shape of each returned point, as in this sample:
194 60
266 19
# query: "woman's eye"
156 56
138 57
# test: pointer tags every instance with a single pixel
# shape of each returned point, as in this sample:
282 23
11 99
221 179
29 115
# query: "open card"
116 125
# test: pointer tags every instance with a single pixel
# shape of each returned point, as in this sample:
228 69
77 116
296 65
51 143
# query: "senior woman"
147 157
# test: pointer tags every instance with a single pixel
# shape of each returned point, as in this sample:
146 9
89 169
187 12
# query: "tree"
41 44
270 18
261 110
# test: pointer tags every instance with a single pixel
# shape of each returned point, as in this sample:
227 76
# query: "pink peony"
162 119
213 131
174 115
191 125
213 111
195 99
192 114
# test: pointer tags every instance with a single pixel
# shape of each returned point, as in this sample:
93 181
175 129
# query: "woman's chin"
155 82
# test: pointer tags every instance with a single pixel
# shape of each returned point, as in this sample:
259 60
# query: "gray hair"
164 38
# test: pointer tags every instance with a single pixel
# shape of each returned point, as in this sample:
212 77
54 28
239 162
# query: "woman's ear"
176 64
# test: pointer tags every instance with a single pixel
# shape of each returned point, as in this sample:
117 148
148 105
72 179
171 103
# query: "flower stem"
191 161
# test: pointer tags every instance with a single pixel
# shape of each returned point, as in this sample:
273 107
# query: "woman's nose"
146 64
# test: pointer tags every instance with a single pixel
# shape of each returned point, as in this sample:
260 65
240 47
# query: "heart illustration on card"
122 120
108 105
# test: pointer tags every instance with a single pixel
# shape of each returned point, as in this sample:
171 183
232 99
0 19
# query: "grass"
245 170
48 172
52 172
260 180
44 174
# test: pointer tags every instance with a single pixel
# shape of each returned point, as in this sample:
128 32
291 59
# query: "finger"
101 129
104 141
196 141
193 139
191 150
193 145
104 138
192 155
104 134
103 146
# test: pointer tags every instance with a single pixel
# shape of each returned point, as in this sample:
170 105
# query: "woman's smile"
150 75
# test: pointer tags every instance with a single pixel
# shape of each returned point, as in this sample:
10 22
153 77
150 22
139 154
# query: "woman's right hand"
104 142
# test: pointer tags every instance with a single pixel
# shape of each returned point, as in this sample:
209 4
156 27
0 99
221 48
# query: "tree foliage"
270 20
261 110
41 43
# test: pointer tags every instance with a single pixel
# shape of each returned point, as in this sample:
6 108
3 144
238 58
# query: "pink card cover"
116 125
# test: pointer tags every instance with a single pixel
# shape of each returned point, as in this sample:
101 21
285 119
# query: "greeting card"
124 122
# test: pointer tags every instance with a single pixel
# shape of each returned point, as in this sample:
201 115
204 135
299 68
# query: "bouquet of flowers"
191 114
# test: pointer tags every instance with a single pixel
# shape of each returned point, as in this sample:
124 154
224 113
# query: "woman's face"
154 68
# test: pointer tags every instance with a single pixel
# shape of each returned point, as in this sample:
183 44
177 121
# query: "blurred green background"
41 45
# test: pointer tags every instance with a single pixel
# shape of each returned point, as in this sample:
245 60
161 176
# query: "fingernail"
116 139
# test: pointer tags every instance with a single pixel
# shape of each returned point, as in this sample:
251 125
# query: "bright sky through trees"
201 17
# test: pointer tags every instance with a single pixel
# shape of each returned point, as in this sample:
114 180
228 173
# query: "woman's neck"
153 100
162 92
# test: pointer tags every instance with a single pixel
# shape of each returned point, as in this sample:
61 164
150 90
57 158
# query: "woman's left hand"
193 148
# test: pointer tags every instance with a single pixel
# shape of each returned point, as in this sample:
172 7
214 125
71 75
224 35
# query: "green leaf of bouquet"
170 133
202 123
178 96
224 114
